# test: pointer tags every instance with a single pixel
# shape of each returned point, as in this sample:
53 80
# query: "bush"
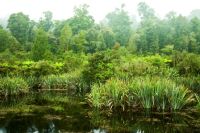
142 66
73 61
12 86
99 69
187 63
42 68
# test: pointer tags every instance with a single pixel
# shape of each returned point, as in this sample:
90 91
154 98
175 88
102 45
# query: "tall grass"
160 94
145 92
12 86
111 94
69 81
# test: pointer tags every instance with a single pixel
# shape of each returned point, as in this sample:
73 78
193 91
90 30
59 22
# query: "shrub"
99 69
187 63
157 60
142 66
12 86
42 68
73 61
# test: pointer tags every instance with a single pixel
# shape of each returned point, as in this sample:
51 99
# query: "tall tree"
148 30
79 42
108 37
18 24
65 38
81 19
120 23
95 40
7 41
46 22
40 48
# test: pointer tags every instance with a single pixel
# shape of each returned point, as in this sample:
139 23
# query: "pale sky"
63 9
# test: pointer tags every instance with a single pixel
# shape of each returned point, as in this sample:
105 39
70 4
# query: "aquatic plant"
154 93
69 81
13 86
160 94
111 94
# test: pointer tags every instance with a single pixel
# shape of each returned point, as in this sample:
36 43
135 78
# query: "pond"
79 117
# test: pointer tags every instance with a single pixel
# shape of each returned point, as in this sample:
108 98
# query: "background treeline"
50 39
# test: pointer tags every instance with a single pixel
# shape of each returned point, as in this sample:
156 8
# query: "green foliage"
73 61
147 93
42 68
95 41
65 38
70 82
99 68
160 94
120 23
187 63
112 94
12 86
132 66
46 22
18 24
40 48
191 82
7 41
81 19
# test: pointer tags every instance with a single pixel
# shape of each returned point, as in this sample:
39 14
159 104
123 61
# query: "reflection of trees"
138 123
3 130
99 130
32 129
51 128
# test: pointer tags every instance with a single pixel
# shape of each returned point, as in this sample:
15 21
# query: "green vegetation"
12 86
119 63
143 92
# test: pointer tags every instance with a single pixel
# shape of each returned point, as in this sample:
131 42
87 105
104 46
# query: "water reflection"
99 131
96 123
3 130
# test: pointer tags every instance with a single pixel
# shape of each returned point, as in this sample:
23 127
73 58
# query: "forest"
116 64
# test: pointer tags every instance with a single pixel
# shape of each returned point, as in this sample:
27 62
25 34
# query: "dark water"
95 123
80 118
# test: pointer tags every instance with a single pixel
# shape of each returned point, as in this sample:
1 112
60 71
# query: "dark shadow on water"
78 117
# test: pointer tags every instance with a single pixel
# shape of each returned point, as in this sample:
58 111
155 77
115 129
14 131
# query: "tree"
148 32
95 40
7 41
79 41
145 11
46 23
108 37
18 24
40 48
65 37
81 19
120 23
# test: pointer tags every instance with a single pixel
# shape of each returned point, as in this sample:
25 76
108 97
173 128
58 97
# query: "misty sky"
63 9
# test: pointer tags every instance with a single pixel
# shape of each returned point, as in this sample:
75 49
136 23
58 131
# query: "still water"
72 117
93 122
